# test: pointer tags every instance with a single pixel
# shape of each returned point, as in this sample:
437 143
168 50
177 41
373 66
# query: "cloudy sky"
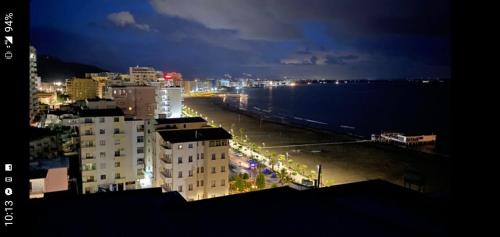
332 39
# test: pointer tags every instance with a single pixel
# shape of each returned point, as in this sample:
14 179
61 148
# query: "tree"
244 176
260 181
239 183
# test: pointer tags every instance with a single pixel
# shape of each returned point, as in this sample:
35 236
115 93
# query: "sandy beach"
341 163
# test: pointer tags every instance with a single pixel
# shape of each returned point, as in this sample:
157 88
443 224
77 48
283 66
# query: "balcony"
165 174
119 155
166 160
121 178
90 145
89 180
166 188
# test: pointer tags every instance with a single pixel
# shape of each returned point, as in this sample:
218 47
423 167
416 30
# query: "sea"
361 109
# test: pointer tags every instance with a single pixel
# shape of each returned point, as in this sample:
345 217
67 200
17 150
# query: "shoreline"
269 118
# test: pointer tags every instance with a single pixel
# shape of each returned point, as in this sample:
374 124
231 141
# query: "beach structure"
405 139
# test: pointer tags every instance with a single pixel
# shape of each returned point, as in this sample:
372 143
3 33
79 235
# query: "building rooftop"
369 208
101 112
201 134
180 120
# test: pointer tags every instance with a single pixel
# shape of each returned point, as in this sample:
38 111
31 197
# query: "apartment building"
168 99
142 74
107 159
35 83
136 101
81 88
191 158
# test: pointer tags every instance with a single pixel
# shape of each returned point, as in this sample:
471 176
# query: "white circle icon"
8 191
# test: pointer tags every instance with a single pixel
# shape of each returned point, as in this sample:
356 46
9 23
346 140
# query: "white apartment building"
107 159
191 158
169 100
142 74
35 83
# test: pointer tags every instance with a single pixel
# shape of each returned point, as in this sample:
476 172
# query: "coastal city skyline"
384 39
318 117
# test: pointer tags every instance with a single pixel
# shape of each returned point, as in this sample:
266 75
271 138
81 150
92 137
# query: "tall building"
137 102
35 83
142 74
108 161
81 88
191 158
168 99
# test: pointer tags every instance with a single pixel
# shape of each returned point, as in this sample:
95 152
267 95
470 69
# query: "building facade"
191 158
106 158
142 74
35 83
137 102
81 88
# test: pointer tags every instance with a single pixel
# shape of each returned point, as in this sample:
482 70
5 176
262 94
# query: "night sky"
331 39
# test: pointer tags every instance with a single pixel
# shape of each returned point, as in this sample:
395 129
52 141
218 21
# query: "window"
198 156
102 142
222 182
102 120
88 155
103 177
140 128
190 187
117 119
180 174
117 175
117 131
190 145
190 158
102 154
140 161
179 147
179 160
190 173
202 169
223 169
140 139
102 131
213 183
140 150
201 183
103 165
197 170
117 142
201 156
213 170
117 164
223 155
179 188
213 156
117 153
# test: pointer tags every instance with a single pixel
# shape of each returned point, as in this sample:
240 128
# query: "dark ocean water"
362 109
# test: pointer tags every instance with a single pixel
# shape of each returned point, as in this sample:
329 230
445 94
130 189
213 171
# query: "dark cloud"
341 60
271 20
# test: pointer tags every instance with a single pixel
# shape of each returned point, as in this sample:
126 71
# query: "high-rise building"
142 74
35 83
168 99
137 102
81 88
108 161
191 157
